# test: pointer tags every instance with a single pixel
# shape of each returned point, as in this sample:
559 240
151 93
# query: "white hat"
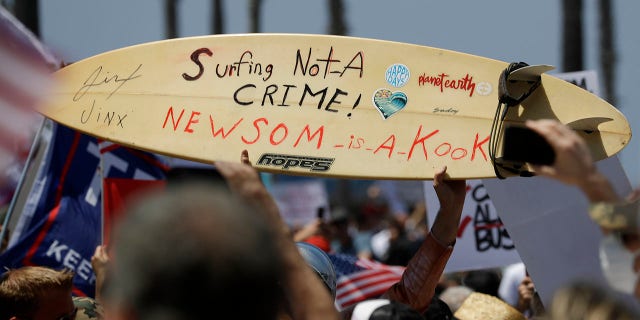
384 309
364 309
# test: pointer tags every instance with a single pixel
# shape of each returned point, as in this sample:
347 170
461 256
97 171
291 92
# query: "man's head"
36 293
193 252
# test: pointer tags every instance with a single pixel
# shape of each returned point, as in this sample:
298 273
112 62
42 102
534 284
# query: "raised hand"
573 164
451 194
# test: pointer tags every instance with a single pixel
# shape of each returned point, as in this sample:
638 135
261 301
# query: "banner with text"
482 240
60 226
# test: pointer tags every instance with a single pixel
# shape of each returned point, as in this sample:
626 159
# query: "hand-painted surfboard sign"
315 104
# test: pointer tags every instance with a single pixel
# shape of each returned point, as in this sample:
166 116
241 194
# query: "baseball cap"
320 262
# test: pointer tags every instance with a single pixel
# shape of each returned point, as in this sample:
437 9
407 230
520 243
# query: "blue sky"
502 29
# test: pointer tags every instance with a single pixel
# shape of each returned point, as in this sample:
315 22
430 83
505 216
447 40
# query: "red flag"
117 193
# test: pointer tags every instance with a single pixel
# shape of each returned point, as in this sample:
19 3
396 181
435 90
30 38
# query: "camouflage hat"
88 308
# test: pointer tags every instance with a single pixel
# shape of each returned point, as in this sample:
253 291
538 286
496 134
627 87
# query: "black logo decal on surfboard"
286 162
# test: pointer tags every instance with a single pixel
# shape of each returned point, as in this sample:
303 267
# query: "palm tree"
171 18
27 12
255 7
572 35
217 25
607 50
337 24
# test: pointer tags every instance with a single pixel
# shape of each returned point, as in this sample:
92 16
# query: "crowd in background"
222 250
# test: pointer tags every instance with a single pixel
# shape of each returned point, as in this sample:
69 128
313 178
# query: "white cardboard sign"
482 240
549 224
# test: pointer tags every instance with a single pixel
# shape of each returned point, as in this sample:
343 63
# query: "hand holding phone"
522 144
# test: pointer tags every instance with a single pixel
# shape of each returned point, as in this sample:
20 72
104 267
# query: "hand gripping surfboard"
315 105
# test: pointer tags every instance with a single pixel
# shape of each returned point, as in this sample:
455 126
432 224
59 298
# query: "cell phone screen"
522 144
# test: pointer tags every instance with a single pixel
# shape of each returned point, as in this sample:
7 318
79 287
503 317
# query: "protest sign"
482 240
300 199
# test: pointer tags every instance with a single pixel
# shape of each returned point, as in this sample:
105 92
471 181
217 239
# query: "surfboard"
315 105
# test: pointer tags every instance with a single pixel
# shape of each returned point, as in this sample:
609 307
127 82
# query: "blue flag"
60 225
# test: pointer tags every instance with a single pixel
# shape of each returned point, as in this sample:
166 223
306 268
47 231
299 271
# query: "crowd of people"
200 250
219 248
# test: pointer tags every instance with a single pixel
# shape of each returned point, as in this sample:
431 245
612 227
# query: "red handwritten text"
259 128
426 143
443 81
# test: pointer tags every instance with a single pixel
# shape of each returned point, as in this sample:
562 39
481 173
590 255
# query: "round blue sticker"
397 75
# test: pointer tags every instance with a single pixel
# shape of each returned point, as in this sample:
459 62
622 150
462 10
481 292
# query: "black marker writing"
97 78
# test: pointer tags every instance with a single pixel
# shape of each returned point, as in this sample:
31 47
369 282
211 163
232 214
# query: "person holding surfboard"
417 286
305 296
197 250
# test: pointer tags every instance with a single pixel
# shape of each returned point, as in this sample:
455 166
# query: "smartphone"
522 144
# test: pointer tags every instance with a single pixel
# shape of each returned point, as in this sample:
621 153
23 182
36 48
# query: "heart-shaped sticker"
388 103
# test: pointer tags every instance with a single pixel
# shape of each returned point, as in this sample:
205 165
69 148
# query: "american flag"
24 78
361 279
